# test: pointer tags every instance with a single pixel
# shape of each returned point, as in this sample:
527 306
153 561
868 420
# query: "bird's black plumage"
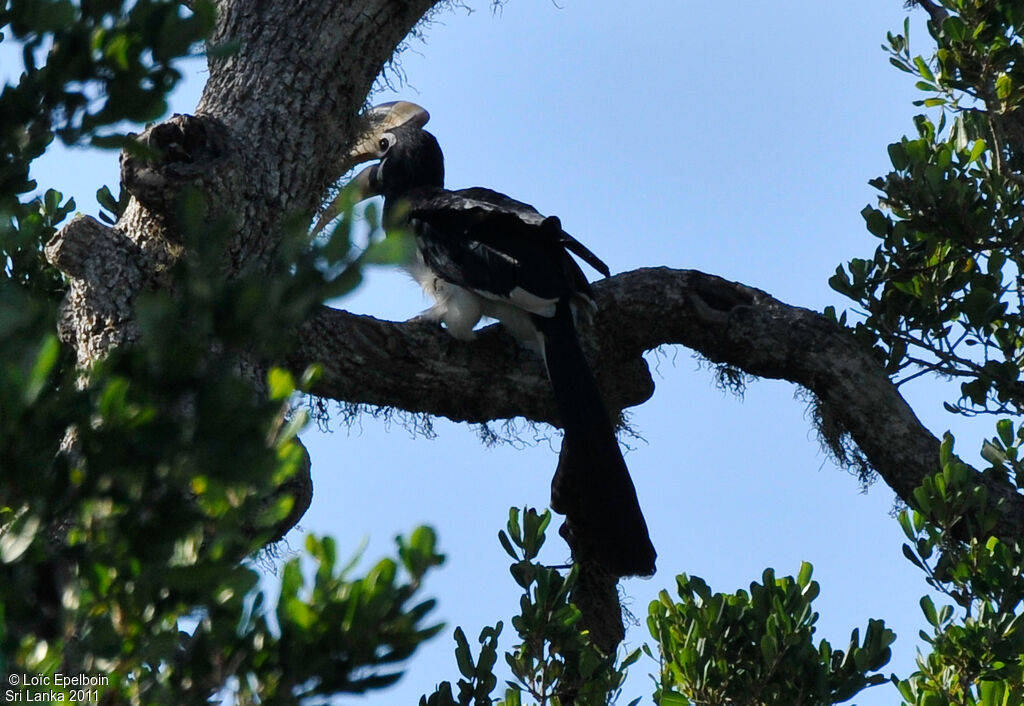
485 254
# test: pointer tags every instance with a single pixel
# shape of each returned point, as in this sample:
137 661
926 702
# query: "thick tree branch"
419 368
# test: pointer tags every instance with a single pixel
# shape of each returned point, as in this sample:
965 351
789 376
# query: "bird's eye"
384 144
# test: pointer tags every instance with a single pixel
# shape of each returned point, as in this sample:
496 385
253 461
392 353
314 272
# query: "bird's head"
408 155
380 129
375 125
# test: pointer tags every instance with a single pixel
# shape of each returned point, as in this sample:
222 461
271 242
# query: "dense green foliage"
746 648
943 291
126 554
88 66
554 662
172 481
757 647
977 643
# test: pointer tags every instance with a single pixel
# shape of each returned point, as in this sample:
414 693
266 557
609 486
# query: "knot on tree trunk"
105 271
183 151
85 249
714 300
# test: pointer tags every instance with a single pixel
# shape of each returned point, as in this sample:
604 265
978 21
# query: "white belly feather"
461 309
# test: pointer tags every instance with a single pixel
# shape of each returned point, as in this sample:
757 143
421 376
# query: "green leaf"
339 244
928 607
876 221
953 27
993 454
804 576
841 283
514 530
1004 86
51 200
1004 427
17 536
507 545
946 449
462 655
992 693
300 614
769 648
311 375
922 67
917 151
513 697
394 249
909 554
898 157
280 383
296 423
46 360
977 150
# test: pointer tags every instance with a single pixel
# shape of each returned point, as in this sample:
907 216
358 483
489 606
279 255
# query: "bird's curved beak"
375 122
365 184
378 120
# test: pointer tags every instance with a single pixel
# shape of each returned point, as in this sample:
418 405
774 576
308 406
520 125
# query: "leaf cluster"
133 494
556 663
976 645
335 633
943 292
87 68
138 521
757 647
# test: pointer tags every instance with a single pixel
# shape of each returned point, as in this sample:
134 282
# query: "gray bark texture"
265 143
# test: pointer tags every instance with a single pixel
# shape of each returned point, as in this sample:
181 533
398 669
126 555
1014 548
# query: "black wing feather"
490 243
479 197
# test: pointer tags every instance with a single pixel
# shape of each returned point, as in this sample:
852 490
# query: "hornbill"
483 254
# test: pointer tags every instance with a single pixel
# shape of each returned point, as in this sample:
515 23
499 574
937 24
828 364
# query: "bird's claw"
426 318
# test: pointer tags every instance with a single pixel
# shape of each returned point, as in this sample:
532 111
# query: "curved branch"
420 368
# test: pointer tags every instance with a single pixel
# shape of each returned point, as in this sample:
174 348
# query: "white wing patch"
522 299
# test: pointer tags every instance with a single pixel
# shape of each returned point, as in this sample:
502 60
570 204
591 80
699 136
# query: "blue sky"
733 138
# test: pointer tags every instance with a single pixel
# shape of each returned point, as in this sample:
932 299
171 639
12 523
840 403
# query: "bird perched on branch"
483 254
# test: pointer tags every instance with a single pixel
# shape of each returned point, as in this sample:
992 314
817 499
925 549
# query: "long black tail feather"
591 486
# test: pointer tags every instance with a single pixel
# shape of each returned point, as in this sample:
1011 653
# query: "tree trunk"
262 146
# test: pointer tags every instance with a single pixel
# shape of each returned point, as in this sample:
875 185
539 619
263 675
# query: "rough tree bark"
264 144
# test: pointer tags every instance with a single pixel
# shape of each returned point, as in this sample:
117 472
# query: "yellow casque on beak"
378 120
375 123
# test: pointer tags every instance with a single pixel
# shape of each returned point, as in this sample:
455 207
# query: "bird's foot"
427 317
